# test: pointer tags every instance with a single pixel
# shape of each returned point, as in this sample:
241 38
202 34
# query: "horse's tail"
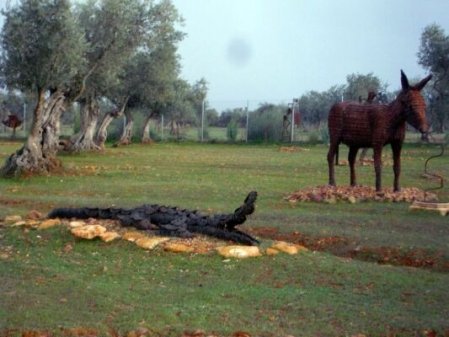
334 122
81 213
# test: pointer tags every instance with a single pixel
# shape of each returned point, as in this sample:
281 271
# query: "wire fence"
276 121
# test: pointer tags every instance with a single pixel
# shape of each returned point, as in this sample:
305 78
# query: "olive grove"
84 53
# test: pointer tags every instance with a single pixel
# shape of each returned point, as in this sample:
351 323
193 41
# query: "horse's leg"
330 161
377 149
363 155
336 155
396 147
351 159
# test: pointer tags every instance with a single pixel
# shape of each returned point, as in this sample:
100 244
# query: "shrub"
265 124
314 137
232 130
324 133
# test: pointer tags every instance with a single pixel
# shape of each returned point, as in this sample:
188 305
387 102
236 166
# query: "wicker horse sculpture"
376 125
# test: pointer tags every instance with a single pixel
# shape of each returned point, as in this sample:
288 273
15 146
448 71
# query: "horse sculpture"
376 125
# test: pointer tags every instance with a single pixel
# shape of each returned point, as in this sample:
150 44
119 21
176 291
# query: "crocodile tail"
80 213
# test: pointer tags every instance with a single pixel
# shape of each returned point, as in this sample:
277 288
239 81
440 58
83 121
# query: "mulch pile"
332 194
292 149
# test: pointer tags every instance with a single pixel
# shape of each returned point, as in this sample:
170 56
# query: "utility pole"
247 119
294 105
202 120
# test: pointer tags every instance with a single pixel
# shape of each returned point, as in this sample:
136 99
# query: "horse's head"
414 105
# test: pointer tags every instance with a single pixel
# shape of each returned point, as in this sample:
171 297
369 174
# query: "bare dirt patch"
345 247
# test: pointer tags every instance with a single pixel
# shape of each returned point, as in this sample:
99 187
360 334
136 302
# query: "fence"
215 121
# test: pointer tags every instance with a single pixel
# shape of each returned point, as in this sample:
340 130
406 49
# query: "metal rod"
202 121
435 175
247 120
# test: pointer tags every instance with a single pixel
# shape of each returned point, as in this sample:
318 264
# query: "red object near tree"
297 117
12 122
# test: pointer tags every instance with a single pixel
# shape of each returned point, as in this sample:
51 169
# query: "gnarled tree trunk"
127 133
175 129
38 154
84 139
146 137
102 133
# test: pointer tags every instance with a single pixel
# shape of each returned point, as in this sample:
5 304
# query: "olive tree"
158 72
148 79
113 30
359 86
122 34
42 51
433 55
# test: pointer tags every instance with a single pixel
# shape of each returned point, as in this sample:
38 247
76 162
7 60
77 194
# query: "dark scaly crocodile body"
172 221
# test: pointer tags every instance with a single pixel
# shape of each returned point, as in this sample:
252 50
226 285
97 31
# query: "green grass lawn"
45 286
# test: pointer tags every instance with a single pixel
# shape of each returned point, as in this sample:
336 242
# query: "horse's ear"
422 83
404 81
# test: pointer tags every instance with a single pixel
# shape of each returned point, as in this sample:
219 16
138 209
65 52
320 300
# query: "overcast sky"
275 50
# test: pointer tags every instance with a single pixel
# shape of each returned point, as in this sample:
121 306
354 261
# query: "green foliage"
314 106
318 136
433 55
266 123
232 131
198 93
212 116
42 45
114 30
237 114
434 49
324 133
358 86
149 75
182 107
314 137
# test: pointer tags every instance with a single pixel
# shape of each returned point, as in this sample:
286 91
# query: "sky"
255 51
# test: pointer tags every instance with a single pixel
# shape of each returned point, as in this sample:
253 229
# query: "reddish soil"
344 247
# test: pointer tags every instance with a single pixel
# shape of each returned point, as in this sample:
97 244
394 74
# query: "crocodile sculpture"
172 221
